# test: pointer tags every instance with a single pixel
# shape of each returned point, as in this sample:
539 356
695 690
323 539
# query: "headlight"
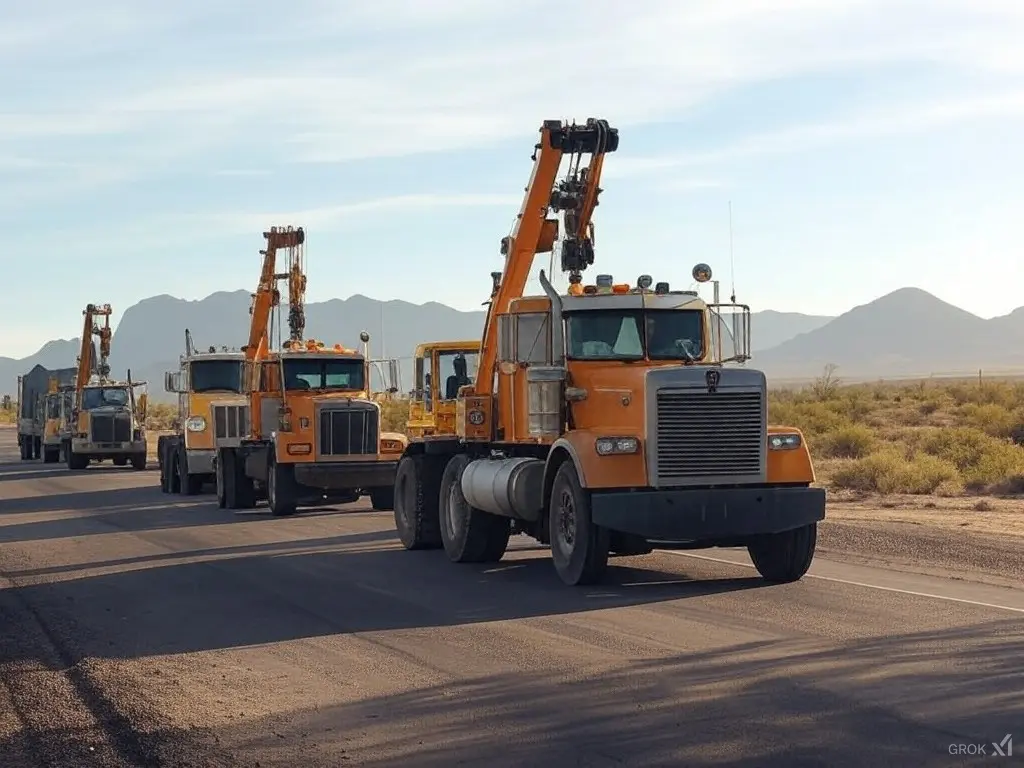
195 423
783 442
606 446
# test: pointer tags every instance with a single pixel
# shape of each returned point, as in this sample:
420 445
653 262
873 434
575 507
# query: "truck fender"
561 450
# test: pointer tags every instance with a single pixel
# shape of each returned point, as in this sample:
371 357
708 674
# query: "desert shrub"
812 418
394 413
849 442
161 416
889 471
994 418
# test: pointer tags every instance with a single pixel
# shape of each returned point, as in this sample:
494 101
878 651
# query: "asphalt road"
143 629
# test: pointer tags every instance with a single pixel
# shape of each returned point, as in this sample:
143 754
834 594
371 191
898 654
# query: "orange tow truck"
603 420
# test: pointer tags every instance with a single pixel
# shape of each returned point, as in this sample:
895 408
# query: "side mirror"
730 332
394 377
171 381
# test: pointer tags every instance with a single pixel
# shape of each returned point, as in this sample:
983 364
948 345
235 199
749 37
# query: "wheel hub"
451 517
566 520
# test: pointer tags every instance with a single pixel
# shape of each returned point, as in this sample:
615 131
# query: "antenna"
732 262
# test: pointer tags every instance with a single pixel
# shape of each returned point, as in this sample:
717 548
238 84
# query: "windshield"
660 334
215 376
457 369
317 373
97 397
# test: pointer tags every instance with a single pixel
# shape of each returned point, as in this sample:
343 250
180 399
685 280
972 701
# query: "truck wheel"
37 447
190 485
579 548
239 490
138 461
75 461
218 474
383 499
784 557
51 455
469 535
416 492
281 489
120 461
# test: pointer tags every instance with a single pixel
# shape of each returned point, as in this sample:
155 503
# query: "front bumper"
706 514
347 475
200 461
101 450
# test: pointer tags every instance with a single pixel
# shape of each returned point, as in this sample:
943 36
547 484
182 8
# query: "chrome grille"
230 422
348 431
705 438
110 428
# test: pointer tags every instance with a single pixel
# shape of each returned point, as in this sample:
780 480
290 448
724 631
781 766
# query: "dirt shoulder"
964 538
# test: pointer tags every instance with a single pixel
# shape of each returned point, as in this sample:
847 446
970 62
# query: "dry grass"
942 438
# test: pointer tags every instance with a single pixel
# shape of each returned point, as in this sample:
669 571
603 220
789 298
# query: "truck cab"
452 364
110 423
213 411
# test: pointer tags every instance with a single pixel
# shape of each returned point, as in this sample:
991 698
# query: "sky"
863 145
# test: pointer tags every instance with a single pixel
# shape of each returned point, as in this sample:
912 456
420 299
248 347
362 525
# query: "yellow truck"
451 364
213 412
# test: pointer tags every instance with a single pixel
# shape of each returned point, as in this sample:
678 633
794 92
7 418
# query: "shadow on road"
253 594
768 704
36 470
789 708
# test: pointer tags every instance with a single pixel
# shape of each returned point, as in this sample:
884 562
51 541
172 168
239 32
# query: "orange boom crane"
603 421
312 430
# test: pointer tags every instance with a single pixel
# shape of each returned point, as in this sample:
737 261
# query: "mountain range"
904 333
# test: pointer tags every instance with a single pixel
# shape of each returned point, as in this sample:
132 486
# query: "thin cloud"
328 218
447 90
901 119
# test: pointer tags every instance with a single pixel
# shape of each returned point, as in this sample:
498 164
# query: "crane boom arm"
533 231
267 296
87 362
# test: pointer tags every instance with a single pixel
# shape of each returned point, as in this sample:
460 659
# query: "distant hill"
151 333
770 328
905 332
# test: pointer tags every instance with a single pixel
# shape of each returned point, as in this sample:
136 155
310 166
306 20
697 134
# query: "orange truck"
313 432
606 419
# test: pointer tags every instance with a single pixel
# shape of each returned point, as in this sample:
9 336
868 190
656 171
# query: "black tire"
469 535
51 455
784 557
121 461
221 482
23 449
416 493
138 461
239 491
173 476
383 499
189 485
579 549
75 461
281 489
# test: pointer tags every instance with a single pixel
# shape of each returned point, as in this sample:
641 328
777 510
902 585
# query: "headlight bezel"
195 424
785 441
617 445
